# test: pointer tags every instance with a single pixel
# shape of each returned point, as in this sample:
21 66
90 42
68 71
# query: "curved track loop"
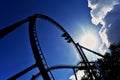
77 46
35 43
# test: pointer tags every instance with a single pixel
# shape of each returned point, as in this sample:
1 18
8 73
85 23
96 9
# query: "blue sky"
15 49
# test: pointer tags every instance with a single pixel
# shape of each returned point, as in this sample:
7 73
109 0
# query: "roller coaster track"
64 67
41 63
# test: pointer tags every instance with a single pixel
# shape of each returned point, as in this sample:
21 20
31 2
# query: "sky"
78 17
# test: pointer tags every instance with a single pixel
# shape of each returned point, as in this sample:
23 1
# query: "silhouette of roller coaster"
41 63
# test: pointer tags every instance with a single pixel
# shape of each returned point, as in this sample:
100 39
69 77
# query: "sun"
89 40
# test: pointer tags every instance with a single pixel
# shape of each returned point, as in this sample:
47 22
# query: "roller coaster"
41 63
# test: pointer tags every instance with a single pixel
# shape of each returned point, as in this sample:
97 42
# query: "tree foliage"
107 68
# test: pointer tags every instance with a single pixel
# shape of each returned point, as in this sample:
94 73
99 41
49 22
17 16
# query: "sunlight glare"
89 41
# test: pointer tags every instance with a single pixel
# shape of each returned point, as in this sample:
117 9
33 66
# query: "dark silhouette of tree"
107 68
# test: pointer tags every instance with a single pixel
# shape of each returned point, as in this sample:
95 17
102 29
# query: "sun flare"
89 40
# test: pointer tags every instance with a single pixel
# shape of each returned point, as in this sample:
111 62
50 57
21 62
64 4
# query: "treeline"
107 68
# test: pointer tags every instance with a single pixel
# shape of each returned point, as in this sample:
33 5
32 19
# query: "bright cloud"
79 75
99 8
106 13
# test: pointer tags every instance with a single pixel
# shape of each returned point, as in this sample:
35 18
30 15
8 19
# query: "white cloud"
112 20
99 9
107 13
79 74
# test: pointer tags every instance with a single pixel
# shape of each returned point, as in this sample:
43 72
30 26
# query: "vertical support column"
91 72
85 60
36 54
75 74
